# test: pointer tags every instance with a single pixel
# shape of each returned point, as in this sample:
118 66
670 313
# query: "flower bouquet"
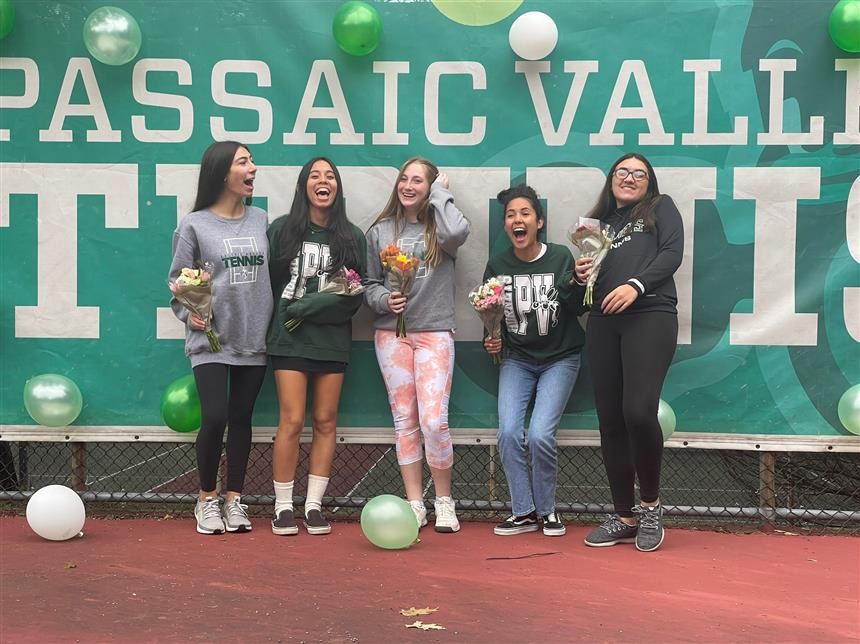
401 268
488 300
346 282
193 290
593 238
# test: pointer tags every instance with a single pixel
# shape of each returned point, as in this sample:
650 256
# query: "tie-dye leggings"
417 371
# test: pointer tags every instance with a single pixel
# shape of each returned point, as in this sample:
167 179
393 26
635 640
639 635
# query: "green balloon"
357 28
849 410
180 405
52 400
7 18
112 36
389 522
844 25
666 418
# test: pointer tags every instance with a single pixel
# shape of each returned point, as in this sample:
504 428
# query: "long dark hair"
394 209
521 191
214 168
341 240
643 210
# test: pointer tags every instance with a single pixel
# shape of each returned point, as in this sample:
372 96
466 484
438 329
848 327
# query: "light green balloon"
849 410
389 522
7 18
112 36
180 405
666 418
52 400
844 25
476 13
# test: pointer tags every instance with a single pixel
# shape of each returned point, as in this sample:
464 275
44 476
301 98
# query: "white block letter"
256 104
338 111
700 135
777 67
31 87
431 103
851 135
181 104
390 70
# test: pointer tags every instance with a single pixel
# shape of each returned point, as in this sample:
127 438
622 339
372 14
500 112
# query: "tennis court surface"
144 580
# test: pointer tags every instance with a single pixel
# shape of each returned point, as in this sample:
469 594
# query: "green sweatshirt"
541 306
326 329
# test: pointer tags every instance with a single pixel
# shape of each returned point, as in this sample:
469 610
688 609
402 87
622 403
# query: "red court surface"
138 580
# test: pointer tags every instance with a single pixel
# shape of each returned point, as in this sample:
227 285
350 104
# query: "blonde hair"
394 210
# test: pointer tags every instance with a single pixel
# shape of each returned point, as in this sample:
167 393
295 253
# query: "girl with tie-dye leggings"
420 218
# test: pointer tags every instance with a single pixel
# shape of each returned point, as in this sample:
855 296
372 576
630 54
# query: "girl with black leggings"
631 336
227 232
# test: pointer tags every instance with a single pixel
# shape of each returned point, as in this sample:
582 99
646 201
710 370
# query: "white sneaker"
236 516
446 516
208 515
420 512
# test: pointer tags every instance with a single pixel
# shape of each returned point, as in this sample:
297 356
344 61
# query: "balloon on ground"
52 400
56 513
112 36
389 522
666 418
180 405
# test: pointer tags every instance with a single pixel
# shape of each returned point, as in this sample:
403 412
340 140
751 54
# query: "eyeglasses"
623 173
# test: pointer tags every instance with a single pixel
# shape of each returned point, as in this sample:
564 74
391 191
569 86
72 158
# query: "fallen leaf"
71 565
790 534
412 612
426 627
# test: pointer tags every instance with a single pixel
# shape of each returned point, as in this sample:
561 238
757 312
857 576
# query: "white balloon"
56 512
533 35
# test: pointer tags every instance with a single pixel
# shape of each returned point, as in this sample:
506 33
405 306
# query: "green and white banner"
748 111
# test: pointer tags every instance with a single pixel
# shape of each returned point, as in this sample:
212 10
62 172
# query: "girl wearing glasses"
632 332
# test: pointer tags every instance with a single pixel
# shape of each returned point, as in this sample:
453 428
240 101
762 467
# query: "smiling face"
522 225
413 186
629 190
240 179
322 186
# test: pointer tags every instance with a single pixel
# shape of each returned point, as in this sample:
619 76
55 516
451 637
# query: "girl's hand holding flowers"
396 302
488 300
193 289
401 268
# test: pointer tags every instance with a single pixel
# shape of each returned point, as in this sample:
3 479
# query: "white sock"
316 491
283 495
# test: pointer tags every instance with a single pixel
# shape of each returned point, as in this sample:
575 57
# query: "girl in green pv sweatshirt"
310 335
542 339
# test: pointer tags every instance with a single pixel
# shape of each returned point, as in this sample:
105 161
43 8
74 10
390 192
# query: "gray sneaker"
651 533
236 516
208 515
610 532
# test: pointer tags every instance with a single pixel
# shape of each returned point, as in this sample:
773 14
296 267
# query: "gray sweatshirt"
239 252
430 304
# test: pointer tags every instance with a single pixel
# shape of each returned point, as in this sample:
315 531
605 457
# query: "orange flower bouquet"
401 268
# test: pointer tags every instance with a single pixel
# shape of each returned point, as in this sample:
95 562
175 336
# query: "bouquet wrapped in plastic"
193 289
593 238
401 267
347 282
488 300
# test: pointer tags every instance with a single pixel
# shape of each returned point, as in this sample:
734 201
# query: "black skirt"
306 365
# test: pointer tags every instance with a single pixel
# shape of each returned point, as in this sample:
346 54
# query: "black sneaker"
610 532
284 523
552 525
315 522
518 525
651 533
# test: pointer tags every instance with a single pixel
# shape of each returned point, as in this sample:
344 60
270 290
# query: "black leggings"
629 356
221 409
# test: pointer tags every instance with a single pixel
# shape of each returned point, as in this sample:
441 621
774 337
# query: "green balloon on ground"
666 418
476 13
180 405
844 25
7 18
52 400
389 522
849 410
357 28
112 36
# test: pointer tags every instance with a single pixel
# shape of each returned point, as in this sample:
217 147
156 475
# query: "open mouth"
519 233
323 192
249 182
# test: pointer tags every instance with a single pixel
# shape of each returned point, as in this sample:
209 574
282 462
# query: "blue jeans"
551 383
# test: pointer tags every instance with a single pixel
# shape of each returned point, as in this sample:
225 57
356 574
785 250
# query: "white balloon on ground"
56 512
533 36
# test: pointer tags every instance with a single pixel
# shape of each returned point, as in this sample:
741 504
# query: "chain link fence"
815 491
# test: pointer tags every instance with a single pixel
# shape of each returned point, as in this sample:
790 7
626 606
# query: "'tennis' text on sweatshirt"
326 329
239 252
430 303
541 305
646 260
